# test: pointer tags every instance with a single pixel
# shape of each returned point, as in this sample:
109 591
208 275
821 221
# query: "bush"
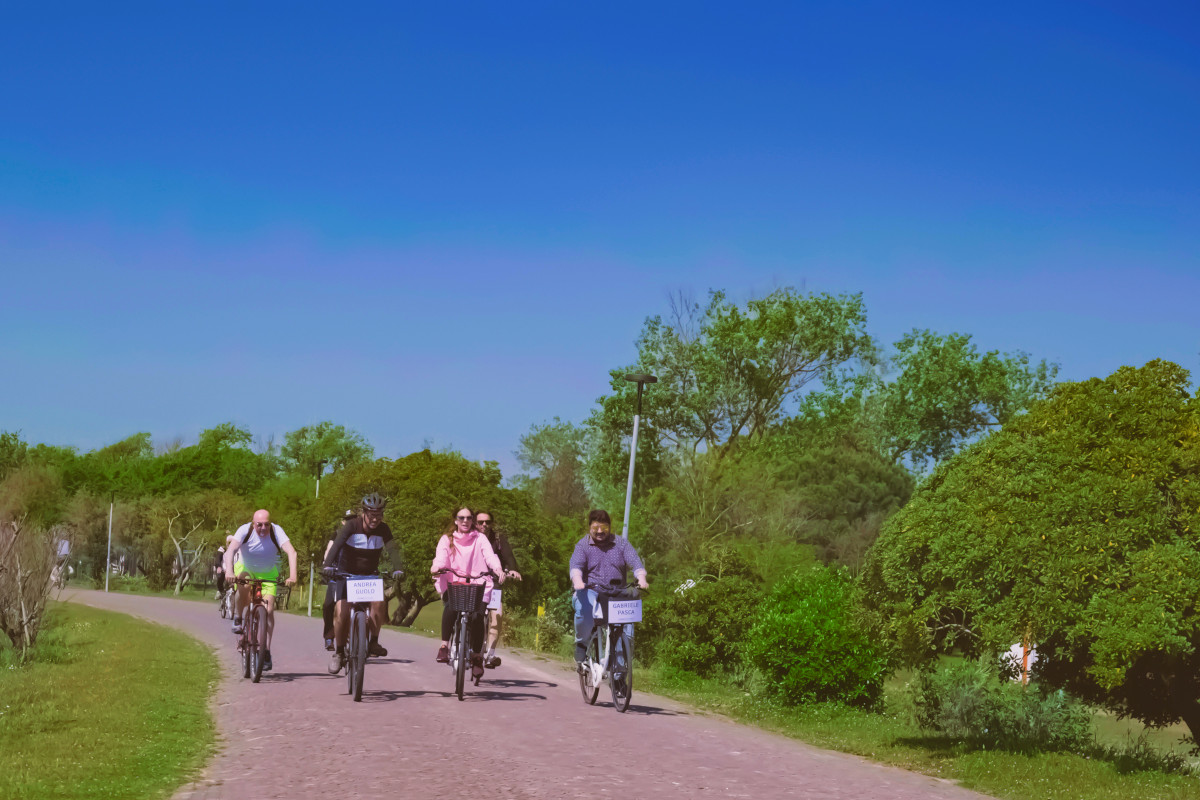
970 701
702 629
810 648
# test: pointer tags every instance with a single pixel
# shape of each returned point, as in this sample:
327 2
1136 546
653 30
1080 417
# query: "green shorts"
269 577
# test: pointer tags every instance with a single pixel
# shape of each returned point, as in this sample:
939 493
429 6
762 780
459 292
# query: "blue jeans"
583 602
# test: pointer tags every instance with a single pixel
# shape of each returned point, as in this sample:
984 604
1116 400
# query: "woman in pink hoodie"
466 551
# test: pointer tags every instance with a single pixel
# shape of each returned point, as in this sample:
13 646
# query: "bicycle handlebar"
483 574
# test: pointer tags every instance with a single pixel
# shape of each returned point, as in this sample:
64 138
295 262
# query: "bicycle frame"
460 644
611 643
357 639
253 640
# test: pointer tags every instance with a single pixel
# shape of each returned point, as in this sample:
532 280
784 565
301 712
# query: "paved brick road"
526 730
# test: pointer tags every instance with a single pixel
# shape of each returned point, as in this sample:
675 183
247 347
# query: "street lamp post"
641 380
320 468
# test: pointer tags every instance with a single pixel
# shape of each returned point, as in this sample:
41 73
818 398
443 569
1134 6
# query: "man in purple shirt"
600 561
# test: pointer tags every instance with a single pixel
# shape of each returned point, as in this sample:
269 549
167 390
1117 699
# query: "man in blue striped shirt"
600 561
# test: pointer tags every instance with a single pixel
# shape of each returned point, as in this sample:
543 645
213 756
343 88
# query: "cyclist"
257 545
330 599
356 550
599 559
503 550
464 550
218 571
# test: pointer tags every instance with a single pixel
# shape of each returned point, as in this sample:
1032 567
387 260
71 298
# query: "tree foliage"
303 449
1075 527
552 453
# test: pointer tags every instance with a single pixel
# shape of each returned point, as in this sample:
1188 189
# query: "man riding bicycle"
600 559
356 550
256 546
503 551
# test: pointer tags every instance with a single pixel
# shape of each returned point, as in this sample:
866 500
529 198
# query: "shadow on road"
386 696
513 683
288 677
377 660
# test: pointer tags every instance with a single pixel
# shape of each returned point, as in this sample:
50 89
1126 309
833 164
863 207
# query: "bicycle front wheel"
258 641
620 670
224 606
462 654
358 665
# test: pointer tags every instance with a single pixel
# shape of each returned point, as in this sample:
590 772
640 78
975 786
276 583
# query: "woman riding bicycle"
466 551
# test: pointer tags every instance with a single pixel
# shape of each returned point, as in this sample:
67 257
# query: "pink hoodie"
470 553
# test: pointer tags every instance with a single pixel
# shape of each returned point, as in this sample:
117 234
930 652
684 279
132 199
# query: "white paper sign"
495 601
620 611
364 590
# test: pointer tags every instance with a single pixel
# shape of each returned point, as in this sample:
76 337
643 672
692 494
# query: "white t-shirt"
259 554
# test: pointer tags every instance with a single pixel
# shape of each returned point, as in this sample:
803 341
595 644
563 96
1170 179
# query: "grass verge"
890 737
111 706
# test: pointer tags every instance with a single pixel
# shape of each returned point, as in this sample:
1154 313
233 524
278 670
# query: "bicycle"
361 591
226 606
466 599
252 643
609 650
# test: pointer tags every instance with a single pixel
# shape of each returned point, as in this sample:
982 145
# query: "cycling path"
523 733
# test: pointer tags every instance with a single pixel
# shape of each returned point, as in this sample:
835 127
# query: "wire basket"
464 597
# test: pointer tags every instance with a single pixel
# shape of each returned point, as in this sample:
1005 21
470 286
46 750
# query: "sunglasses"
461 518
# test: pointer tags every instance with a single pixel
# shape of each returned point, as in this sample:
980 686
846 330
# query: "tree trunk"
1189 710
408 605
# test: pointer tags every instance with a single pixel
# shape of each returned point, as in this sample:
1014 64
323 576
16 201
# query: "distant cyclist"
257 545
356 550
218 571
504 551
330 600
599 559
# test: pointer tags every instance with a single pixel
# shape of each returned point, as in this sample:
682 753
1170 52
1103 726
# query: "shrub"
810 648
702 629
970 701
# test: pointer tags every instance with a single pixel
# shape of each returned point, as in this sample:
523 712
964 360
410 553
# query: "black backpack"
274 541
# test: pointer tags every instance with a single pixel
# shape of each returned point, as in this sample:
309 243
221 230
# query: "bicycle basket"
464 597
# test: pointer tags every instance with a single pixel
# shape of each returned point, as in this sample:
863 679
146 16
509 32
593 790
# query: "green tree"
947 392
1076 527
303 449
12 452
553 455
726 373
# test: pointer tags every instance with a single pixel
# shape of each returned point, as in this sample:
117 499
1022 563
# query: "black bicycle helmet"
349 515
374 502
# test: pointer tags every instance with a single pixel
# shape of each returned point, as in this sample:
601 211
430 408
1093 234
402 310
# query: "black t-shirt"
360 550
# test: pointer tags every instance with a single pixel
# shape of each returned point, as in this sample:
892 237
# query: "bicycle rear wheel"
620 671
463 655
244 647
587 674
358 666
258 641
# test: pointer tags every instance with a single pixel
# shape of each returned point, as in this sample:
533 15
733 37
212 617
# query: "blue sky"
447 224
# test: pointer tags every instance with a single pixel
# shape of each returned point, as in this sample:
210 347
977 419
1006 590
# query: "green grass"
891 738
111 706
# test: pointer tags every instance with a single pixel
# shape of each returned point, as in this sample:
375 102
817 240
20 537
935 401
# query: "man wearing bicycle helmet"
600 560
356 550
330 599
257 545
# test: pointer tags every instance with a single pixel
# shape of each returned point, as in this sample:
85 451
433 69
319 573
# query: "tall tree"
303 449
552 453
726 372
1076 527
